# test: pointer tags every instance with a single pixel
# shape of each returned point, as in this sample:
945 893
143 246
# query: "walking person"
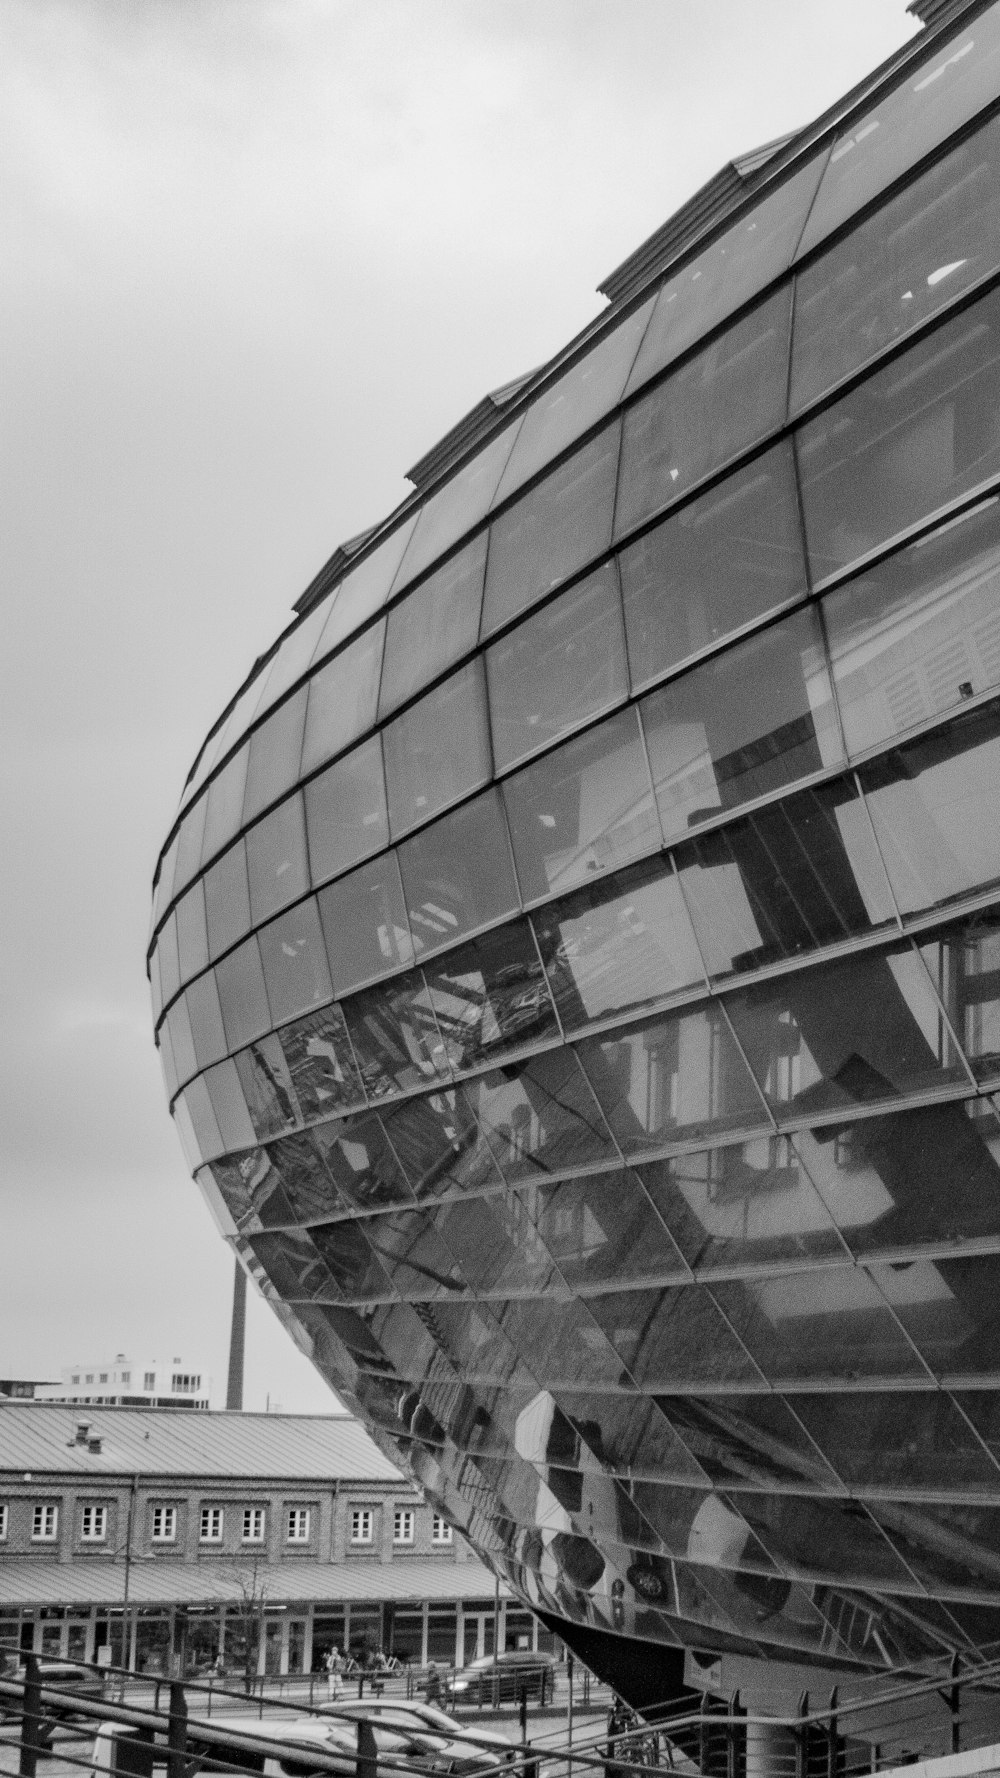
334 1667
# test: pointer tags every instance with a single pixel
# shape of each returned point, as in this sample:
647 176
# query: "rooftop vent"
94 1446
82 1432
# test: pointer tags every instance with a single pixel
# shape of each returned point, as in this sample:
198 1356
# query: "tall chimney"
237 1340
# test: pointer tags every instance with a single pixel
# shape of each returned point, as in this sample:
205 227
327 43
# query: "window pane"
189 844
167 950
415 1258
890 274
438 750
924 110
395 1036
364 590
227 899
746 723
602 1228
364 923
570 406
181 1043
165 881
225 805
919 632
907 1438
543 1119
275 750
621 944
964 964
728 273
585 808
753 1439
229 1106
492 1245
490 996
792 877
347 1250
729 557
267 1088
863 1029
563 666
297 1185
918 433
458 875
277 867
294 959
434 625
671 1078
361 1163
626 1433
343 697
206 1020
935 805
949 1547
321 1063
293 656
826 1539
950 1309
825 1322
554 529
242 996
670 1336
742 1206
208 1139
346 816
192 934
459 505
440 1144
719 403
295 1269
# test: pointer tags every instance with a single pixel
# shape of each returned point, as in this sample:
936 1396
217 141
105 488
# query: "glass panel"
920 250
621 944
413 1254
297 1186
346 817
945 1546
602 1228
440 1145
925 108
434 625
459 505
167 951
277 866
964 965
819 1323
791 877
343 697
920 632
587 807
275 751
935 804
242 995
722 401
165 881
751 1440
294 959
395 1036
493 1245
670 1078
346 1247
825 1539
566 1345
541 1119
554 529
364 591
362 1163
951 1310
294 1266
627 1433
562 667
982 1407
458 874
295 652
181 1044
670 1336
225 805
267 1088
490 997
438 750
167 1063
206 1020
364 923
155 988
570 406
920 432
903 1439
741 1206
728 557
228 1103
733 269
195 1107
321 1063
929 1175
192 933
227 899
189 844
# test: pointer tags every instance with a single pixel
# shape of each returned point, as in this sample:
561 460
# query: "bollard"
177 1732
32 1743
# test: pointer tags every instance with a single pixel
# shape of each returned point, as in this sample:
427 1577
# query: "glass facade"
576 963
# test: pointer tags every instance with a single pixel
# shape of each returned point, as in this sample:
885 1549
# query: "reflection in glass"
561 667
751 1441
267 1088
541 1117
905 1438
438 750
458 875
459 505
242 996
669 1336
827 1322
416 1262
343 697
225 805
741 1205
439 1144
946 1547
555 528
321 1065
277 866
716 405
585 808
490 996
227 899
916 434
294 1266
951 1310
351 1252
623 943
493 1244
963 961
275 750
395 1036
361 1162
823 1539
627 1433
602 1228
346 816
294 959
296 1185
364 923
434 625
790 877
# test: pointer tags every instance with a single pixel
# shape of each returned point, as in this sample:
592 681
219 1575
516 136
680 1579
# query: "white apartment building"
123 1381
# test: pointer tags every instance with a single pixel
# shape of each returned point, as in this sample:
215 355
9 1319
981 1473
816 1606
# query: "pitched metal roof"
166 1581
41 1437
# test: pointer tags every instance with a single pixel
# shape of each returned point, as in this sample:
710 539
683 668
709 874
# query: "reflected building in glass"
576 960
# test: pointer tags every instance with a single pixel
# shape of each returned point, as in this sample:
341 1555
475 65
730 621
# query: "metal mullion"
945 1016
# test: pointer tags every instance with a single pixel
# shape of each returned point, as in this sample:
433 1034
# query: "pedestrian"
332 1663
432 1687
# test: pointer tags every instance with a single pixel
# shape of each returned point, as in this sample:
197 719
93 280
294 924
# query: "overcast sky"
259 255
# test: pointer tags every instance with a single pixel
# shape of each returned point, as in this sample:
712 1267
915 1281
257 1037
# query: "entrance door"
272 1645
296 1645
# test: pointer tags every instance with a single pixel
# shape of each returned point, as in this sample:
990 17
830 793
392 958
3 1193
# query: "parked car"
294 1739
63 1676
414 1717
507 1677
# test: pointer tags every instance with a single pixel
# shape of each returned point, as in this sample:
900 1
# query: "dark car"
505 1678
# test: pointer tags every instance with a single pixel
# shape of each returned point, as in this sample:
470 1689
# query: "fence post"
802 1738
177 1732
831 1733
367 1751
956 1705
31 1719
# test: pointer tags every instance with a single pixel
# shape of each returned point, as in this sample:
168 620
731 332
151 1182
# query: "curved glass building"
576 960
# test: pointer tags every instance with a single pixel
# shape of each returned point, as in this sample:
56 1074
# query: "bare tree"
245 1620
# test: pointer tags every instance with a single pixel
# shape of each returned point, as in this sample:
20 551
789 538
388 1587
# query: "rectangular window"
253 1524
164 1524
44 1523
210 1525
93 1524
75 1379
126 1376
441 1533
297 1529
102 1376
182 1383
149 1380
3 1521
362 1524
403 1522
89 1378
